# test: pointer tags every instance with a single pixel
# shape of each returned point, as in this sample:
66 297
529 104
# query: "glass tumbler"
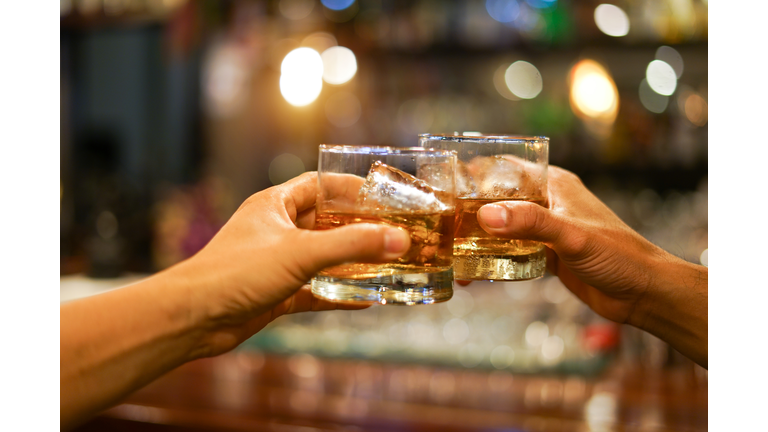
411 189
494 168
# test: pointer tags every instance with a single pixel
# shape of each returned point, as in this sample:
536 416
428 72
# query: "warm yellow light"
339 65
696 109
593 92
301 80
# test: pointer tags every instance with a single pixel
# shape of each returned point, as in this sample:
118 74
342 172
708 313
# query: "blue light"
337 4
504 11
541 4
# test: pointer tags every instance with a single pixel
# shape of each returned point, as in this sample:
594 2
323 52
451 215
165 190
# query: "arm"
613 269
250 273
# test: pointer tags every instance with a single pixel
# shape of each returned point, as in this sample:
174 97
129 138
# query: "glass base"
500 268
399 289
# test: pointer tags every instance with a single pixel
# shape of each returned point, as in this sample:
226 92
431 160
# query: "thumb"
520 220
352 243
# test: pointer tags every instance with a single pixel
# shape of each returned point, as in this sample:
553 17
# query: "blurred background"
175 111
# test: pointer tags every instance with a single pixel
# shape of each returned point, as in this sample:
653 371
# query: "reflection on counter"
530 327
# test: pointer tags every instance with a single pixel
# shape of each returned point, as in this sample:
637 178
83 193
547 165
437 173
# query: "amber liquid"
431 243
479 255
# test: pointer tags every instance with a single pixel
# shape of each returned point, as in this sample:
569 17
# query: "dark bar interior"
173 112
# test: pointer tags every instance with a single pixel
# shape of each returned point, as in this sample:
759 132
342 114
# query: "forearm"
675 307
114 343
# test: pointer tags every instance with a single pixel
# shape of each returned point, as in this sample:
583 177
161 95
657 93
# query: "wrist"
189 305
674 305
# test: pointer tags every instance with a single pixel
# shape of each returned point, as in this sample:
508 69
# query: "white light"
673 58
651 100
536 332
302 61
226 80
661 77
704 258
523 80
552 348
339 65
600 411
343 109
611 20
301 80
300 91
285 167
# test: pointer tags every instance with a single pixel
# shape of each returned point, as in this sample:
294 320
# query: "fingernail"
395 240
493 216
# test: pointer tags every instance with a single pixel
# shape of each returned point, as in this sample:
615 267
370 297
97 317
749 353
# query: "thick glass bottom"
500 268
399 289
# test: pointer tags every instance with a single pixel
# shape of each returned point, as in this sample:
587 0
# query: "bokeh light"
671 57
661 77
696 109
552 348
536 333
593 92
66 7
704 258
339 65
502 356
651 100
319 41
456 331
500 83
285 167
301 80
343 109
611 20
523 80
296 9
225 82
504 11
541 4
337 4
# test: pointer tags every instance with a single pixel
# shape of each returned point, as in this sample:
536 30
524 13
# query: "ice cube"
439 176
388 188
504 176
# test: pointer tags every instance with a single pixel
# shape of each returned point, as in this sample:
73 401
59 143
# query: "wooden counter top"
251 391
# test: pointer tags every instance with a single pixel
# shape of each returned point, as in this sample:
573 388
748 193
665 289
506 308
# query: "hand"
613 269
251 272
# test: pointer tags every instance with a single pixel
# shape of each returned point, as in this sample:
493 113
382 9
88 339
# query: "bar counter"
247 390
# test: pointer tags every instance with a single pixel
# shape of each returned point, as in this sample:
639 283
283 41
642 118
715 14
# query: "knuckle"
563 176
532 219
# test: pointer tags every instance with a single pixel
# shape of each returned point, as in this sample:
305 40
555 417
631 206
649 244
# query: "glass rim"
482 137
366 149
